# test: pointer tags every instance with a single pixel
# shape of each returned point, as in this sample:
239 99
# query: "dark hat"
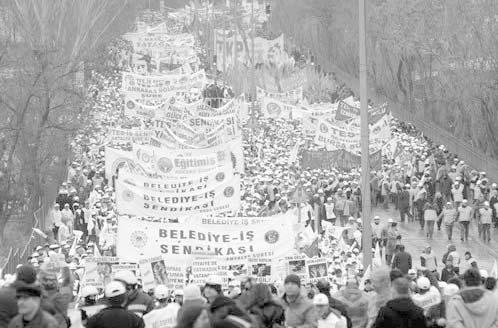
294 279
221 301
30 290
26 273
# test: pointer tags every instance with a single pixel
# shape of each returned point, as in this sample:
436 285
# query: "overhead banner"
134 200
159 87
346 111
222 237
272 108
182 163
133 108
291 96
339 135
116 159
161 44
130 135
192 185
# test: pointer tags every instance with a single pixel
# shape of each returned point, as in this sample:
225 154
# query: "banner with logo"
133 108
163 271
182 163
191 185
291 96
224 237
272 108
346 111
159 88
116 159
134 200
337 135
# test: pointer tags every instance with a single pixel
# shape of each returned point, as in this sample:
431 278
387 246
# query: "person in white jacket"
328 317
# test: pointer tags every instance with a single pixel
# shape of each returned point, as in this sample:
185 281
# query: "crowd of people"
425 183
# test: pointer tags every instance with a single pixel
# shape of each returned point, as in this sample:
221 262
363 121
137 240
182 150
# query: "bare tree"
41 107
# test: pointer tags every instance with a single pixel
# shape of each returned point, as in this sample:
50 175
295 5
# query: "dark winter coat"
400 313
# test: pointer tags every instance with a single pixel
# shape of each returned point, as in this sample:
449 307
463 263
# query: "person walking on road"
448 215
430 218
463 217
402 260
485 219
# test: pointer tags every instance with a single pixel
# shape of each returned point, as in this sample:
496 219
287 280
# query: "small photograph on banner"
261 269
297 265
317 269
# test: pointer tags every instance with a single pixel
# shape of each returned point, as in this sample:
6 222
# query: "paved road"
415 240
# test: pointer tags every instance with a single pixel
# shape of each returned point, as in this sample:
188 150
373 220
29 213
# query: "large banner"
272 108
222 237
339 135
136 200
161 44
229 47
291 96
116 159
130 135
192 185
182 163
346 111
159 88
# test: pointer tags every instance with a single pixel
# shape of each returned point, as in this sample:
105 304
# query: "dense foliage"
436 57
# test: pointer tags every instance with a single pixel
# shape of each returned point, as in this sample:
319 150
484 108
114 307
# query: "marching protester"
115 315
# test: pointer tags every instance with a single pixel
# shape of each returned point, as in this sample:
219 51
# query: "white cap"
89 291
320 299
214 280
451 289
114 288
233 283
126 276
191 292
390 221
161 292
376 217
423 283
484 274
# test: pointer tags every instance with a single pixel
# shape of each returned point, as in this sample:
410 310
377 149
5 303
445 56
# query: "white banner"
339 135
163 271
192 185
222 236
117 159
291 96
272 108
134 200
182 163
130 135
160 88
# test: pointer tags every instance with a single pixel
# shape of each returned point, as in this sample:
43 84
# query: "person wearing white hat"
448 215
485 219
463 217
328 317
212 288
115 315
428 296
164 312
137 301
